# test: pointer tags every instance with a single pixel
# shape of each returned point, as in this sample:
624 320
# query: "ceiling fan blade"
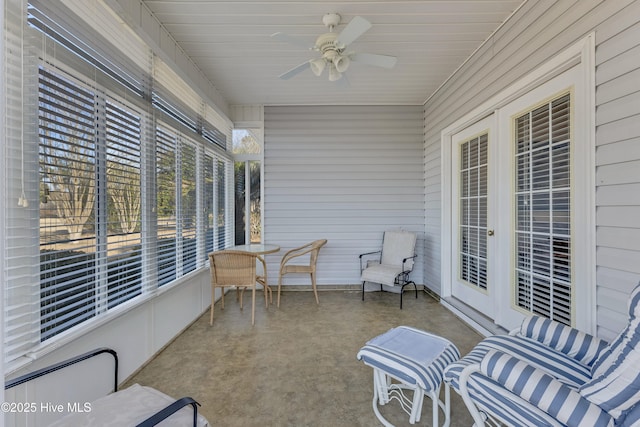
354 29
383 61
296 41
294 71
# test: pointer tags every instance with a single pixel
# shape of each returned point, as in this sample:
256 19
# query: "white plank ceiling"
230 41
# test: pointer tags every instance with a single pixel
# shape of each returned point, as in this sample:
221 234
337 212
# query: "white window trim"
580 54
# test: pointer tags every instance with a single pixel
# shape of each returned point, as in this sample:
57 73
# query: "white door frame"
582 55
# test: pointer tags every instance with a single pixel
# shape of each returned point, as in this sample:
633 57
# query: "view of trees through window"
248 180
92 203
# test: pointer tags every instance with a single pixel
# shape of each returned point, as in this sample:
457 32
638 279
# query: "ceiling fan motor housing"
333 54
326 44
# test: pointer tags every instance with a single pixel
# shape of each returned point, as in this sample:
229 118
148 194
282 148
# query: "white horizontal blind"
542 197
168 82
19 171
124 203
188 206
102 217
216 128
63 26
473 211
208 201
224 204
100 18
215 204
178 101
68 175
166 209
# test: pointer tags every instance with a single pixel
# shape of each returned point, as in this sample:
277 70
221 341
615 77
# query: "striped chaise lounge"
548 374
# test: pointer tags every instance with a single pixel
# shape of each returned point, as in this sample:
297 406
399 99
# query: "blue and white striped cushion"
542 390
614 352
411 355
583 347
502 404
565 369
507 407
630 418
616 375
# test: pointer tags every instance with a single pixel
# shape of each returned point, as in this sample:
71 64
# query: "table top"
257 248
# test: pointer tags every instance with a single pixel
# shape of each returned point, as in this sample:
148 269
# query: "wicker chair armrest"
297 252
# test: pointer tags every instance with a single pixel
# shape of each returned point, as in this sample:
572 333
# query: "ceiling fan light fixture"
317 66
341 63
333 73
332 46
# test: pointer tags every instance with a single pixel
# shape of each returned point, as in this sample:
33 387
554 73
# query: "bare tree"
72 181
123 187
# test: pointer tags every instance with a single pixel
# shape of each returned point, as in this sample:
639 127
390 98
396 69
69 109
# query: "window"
188 206
247 151
166 145
215 191
473 212
68 197
132 192
543 200
124 204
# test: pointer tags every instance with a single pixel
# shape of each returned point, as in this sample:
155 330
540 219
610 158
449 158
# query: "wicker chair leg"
253 305
213 301
315 289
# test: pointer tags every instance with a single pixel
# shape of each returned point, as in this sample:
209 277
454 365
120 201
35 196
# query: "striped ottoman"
415 359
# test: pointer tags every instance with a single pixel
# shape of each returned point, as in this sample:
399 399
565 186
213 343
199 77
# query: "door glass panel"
543 202
473 212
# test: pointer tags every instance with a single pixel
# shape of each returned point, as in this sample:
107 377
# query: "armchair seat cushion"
129 407
381 273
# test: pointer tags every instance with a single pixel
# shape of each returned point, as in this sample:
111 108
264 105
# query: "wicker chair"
313 249
236 268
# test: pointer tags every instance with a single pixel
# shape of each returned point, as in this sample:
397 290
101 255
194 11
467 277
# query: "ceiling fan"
332 47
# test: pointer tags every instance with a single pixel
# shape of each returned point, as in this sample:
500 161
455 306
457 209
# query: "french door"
512 208
472 194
